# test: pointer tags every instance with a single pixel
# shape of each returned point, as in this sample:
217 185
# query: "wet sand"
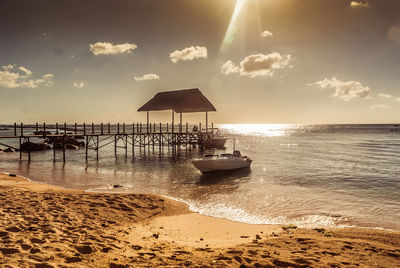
47 226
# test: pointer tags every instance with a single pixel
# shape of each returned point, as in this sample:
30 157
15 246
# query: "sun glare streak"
232 27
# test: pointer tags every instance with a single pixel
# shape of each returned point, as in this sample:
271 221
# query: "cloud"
258 65
189 53
384 96
261 65
229 68
21 77
398 99
359 4
106 48
344 90
79 84
266 34
147 77
379 107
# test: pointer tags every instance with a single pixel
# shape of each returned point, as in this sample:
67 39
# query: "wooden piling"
63 149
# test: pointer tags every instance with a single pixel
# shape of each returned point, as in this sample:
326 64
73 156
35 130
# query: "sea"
306 175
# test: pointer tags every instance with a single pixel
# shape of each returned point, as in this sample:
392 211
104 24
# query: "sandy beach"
47 226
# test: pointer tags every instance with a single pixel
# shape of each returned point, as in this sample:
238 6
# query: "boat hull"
206 166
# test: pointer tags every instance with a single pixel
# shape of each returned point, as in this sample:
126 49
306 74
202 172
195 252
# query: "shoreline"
59 226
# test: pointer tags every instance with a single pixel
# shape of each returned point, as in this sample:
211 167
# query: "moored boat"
223 162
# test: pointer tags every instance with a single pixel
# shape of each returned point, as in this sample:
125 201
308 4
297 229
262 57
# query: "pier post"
160 140
37 127
65 128
86 145
115 145
109 128
76 128
15 129
56 128
126 145
123 128
84 128
29 153
101 126
22 129
133 140
20 151
118 128
44 129
187 137
54 153
63 144
97 148
92 128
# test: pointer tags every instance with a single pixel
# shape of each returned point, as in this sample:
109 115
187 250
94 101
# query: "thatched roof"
181 101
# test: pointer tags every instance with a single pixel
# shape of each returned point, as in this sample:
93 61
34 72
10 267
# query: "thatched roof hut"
180 101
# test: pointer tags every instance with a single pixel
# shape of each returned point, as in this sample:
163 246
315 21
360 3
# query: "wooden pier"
128 137
142 136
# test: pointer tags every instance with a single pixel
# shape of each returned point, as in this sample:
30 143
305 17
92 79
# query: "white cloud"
229 68
189 53
258 65
22 77
359 4
79 84
398 99
384 96
344 90
147 77
106 48
266 34
379 107
261 65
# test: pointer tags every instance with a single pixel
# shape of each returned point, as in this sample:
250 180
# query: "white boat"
223 162
215 141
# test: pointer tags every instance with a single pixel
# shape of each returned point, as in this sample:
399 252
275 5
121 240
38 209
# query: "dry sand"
46 226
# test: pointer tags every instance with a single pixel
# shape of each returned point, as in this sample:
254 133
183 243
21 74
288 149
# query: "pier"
123 136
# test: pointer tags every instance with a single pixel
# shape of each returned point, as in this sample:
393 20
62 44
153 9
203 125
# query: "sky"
257 61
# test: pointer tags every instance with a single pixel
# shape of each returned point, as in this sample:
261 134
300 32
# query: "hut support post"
180 123
206 122
147 122
172 121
